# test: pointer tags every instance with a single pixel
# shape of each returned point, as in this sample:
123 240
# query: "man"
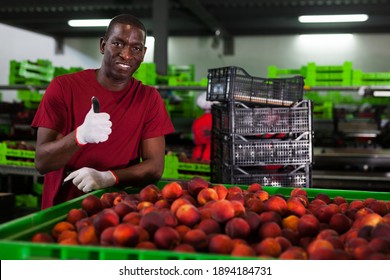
80 149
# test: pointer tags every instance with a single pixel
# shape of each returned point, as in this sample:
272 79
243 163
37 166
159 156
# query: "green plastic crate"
15 235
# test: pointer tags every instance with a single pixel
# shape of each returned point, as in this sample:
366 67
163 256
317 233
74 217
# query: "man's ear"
102 45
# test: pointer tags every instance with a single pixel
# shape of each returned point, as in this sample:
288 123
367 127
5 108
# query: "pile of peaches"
196 216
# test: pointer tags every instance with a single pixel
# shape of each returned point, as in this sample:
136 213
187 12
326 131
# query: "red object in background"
201 129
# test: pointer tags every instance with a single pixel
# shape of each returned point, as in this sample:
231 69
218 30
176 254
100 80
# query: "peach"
182 230
314 204
146 245
365 232
205 195
381 230
324 197
239 208
222 210
324 234
363 252
253 220
125 235
105 219
295 207
277 204
196 184
60 227
189 197
91 204
197 239
239 197
184 248
353 243
290 222
362 212
254 187
284 242
221 190
270 216
379 207
270 229
340 223
380 245
323 213
294 253
143 234
132 218
42 237
87 236
205 212
162 203
188 214
323 254
237 228
170 218
143 204
371 219
243 250
308 225
172 191
336 242
291 235
298 191
318 244
149 193
368 201
233 190
209 226
69 241
152 221
255 205
220 244
177 203
83 222
67 234
75 215
107 199
339 200
106 237
122 209
166 238
262 195
268 247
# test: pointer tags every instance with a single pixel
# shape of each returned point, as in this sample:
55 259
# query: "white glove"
96 128
87 179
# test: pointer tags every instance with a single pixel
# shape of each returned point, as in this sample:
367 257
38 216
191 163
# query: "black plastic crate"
234 149
233 83
235 117
287 176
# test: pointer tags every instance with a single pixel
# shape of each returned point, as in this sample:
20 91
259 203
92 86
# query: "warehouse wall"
367 52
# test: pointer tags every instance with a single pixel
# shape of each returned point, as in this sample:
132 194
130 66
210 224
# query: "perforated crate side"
234 83
291 176
237 118
235 150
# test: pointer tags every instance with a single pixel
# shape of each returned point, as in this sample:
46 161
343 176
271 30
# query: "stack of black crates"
262 129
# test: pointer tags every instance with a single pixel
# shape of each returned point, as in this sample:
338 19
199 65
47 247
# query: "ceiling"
196 17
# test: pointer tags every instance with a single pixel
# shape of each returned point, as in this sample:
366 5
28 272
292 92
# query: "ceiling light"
380 93
89 22
333 18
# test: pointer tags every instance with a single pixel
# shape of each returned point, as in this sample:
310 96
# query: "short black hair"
124 19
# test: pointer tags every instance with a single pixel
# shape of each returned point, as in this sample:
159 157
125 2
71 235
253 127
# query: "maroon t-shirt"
137 113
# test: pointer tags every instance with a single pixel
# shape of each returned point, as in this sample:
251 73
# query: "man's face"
123 51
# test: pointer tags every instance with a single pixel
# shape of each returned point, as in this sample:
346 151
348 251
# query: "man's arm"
53 150
150 169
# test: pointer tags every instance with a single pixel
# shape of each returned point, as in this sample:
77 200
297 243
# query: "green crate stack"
274 72
11 155
359 78
58 71
333 75
15 78
41 70
146 73
176 169
185 72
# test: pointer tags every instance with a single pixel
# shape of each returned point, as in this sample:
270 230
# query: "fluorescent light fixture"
89 22
339 36
333 18
381 93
